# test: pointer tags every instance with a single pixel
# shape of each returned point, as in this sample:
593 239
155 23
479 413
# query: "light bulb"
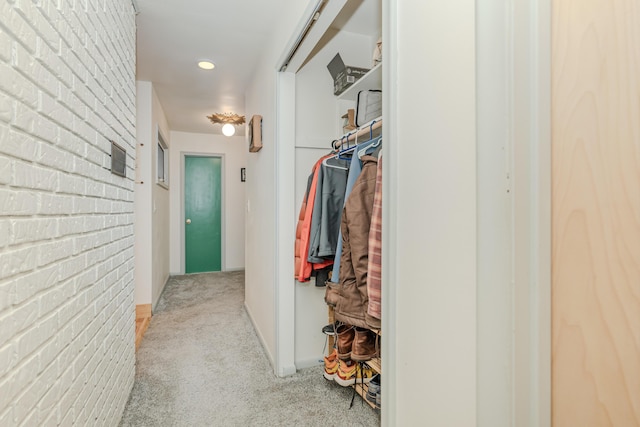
228 129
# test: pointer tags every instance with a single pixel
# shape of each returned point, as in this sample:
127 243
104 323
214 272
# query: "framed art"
255 134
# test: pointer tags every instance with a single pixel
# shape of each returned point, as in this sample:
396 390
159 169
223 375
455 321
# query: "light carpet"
200 363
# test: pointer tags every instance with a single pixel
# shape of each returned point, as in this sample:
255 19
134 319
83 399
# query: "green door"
202 210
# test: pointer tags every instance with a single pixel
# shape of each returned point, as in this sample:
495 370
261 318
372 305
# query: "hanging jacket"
374 275
327 210
356 220
303 266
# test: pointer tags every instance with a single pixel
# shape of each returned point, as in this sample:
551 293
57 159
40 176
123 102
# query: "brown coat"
356 220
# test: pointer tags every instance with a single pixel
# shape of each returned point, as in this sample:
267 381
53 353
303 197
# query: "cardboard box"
343 76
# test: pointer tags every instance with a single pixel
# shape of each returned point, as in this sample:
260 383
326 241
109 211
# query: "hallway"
201 364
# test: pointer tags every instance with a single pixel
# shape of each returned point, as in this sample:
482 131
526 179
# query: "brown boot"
364 345
345 335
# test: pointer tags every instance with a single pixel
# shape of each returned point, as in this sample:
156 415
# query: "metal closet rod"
362 130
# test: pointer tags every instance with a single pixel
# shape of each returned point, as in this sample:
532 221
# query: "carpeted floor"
201 364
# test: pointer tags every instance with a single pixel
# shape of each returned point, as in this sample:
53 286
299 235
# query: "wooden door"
596 213
203 207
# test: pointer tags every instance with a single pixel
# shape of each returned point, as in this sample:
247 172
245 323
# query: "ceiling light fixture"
228 120
228 129
205 64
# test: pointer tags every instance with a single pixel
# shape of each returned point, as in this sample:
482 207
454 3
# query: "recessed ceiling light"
206 64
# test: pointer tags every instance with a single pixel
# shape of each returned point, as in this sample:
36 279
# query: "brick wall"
67 86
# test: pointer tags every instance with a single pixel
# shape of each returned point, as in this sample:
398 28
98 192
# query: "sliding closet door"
596 213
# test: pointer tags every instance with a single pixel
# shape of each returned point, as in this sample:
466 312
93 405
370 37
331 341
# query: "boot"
364 345
345 341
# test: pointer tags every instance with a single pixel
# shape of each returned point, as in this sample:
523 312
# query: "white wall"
67 86
233 151
151 200
429 215
261 185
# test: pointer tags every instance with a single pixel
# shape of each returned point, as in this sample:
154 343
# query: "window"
162 168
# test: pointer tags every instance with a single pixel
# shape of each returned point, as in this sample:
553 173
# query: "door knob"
188 221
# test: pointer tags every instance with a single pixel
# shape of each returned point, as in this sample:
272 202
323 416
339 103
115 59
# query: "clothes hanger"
376 142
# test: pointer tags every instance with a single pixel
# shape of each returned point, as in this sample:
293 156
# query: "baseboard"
309 363
260 337
143 310
233 269
143 318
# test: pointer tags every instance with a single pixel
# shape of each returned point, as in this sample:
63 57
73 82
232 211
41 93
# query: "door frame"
223 197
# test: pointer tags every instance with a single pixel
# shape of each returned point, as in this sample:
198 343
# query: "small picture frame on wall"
255 134
243 174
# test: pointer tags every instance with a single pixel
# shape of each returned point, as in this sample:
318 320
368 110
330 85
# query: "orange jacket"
303 267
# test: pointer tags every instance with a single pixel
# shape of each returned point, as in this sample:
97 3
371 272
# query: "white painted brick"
18 202
30 176
31 122
6 166
72 143
83 129
48 354
13 262
33 229
54 251
51 416
18 319
55 111
17 144
26 64
7 107
71 225
55 204
71 184
50 59
8 359
28 286
6 417
84 205
25 403
5 46
77 205
34 16
54 157
74 104
7 296
16 85
19 379
17 26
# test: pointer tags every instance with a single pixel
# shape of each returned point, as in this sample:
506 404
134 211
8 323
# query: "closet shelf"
371 80
375 364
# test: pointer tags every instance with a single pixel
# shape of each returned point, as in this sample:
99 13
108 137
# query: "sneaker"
329 329
331 365
350 373
374 388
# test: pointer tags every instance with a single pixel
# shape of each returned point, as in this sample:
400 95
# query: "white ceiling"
172 35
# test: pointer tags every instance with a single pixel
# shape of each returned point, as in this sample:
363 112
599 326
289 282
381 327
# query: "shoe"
331 365
374 388
345 334
364 345
330 329
350 373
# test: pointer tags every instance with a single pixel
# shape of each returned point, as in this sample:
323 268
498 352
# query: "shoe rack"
375 364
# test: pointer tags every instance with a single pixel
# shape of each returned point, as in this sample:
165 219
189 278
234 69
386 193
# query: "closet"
351 28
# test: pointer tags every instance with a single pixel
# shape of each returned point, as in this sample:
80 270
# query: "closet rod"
362 130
